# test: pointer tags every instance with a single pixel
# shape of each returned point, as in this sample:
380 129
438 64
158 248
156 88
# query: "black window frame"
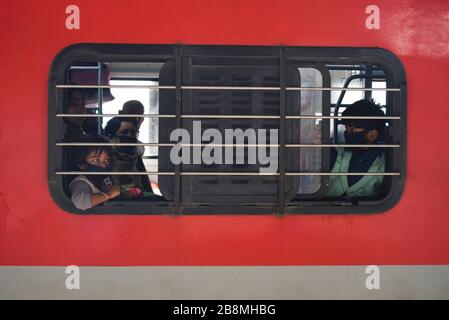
81 53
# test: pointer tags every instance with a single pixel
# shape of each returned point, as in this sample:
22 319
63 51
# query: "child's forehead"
97 153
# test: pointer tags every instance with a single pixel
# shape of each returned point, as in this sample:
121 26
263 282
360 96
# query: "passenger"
87 191
87 75
74 125
74 131
90 124
133 107
363 159
127 158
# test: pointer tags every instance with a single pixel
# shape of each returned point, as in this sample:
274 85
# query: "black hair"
132 107
113 125
365 108
84 151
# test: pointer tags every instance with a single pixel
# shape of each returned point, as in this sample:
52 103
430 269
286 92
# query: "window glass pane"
338 79
311 104
379 97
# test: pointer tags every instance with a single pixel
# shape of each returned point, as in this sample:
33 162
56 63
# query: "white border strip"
276 282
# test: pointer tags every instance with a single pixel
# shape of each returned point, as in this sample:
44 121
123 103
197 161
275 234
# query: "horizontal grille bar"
232 173
214 116
86 144
73 86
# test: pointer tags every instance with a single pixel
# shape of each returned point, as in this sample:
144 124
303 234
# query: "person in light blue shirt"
359 159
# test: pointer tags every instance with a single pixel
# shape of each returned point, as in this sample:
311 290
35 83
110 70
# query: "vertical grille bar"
178 124
100 97
281 161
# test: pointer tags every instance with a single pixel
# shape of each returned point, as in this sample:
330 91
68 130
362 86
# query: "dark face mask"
355 138
102 181
129 150
93 168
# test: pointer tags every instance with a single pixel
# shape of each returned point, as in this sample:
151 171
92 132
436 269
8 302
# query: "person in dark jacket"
74 131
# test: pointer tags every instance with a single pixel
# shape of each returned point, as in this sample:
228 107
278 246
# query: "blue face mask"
355 138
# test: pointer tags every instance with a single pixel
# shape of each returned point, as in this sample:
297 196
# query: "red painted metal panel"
34 231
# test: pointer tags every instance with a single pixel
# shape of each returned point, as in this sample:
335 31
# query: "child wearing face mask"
90 190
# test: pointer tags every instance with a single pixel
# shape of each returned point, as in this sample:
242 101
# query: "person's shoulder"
81 181
341 150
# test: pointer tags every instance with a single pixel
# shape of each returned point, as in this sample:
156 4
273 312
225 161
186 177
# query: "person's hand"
113 192
134 192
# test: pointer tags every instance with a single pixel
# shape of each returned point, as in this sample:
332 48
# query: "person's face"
99 159
127 129
76 106
367 136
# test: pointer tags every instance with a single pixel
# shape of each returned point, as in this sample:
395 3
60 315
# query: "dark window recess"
243 72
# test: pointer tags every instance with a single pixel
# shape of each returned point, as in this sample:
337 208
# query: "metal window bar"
66 86
194 173
368 81
212 116
282 114
100 97
177 186
84 67
156 144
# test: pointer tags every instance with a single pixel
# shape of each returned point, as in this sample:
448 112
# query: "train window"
153 129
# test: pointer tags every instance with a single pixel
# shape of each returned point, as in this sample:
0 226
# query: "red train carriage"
262 215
